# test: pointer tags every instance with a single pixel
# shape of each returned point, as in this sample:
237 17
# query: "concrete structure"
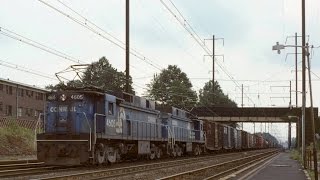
280 167
261 114
21 101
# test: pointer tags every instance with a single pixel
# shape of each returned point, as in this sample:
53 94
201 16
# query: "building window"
39 96
1 87
19 111
110 108
1 106
37 113
9 89
29 112
147 103
29 93
8 110
20 92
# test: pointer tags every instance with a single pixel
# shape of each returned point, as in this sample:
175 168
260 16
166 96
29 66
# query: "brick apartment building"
21 101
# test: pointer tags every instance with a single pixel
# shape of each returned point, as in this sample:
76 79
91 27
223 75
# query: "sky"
249 28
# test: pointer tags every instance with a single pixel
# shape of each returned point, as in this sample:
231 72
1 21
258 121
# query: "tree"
172 87
102 75
208 97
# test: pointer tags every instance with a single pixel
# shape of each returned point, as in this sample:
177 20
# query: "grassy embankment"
16 141
294 154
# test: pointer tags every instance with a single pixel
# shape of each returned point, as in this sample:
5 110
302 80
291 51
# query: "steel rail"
242 167
17 166
203 170
6 162
118 172
25 171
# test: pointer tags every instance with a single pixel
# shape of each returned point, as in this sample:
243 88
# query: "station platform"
280 167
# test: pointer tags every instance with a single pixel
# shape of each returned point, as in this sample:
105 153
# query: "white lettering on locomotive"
52 97
63 109
77 96
121 118
111 123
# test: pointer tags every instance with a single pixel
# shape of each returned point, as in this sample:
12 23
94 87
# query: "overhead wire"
28 41
25 69
40 46
115 38
85 25
198 40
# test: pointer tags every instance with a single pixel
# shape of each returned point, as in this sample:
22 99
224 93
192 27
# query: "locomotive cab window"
110 108
147 103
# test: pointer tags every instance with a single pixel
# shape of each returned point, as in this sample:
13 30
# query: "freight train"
88 126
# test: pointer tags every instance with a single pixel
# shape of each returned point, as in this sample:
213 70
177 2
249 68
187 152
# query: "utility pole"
315 161
127 44
296 63
242 103
213 56
303 121
289 124
213 68
241 95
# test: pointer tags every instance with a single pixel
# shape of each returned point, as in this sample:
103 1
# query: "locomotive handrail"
90 136
95 131
35 130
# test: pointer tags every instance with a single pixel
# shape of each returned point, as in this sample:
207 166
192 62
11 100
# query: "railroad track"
129 170
223 170
23 168
18 161
4 167
26 171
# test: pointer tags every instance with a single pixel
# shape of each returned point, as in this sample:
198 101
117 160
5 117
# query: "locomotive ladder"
171 137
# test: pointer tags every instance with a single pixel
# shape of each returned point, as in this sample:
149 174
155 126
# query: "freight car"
87 125
220 137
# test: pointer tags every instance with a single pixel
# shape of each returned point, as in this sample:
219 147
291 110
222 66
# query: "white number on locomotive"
77 96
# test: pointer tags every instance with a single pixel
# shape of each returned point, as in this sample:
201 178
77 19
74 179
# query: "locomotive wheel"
100 154
158 153
152 155
174 152
200 150
112 154
196 150
179 151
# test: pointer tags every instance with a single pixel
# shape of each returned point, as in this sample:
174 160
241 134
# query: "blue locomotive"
89 126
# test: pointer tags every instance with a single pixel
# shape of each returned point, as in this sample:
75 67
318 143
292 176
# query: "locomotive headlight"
63 97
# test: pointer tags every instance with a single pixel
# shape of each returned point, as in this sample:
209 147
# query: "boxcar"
244 140
213 135
238 141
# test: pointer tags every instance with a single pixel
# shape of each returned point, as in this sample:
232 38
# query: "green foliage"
55 87
102 74
208 97
16 140
172 87
294 154
99 74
